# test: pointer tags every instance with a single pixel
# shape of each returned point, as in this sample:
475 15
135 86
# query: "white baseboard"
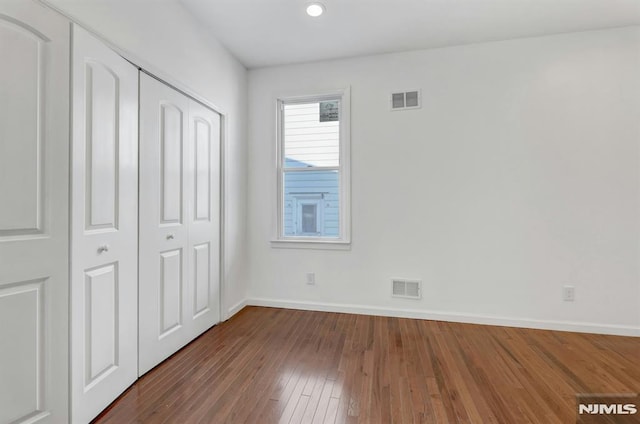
580 327
236 308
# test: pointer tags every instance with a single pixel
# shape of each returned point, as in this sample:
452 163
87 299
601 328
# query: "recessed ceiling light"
315 9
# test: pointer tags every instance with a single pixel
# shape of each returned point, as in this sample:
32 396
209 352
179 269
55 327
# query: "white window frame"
343 241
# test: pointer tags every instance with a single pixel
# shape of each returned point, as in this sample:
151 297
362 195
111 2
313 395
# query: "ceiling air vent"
409 289
405 100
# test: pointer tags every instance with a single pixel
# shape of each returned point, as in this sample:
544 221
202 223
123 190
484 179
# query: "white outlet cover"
311 278
568 293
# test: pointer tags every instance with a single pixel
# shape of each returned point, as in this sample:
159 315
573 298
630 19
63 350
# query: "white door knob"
103 248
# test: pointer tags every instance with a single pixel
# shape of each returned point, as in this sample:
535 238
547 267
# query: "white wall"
163 37
519 174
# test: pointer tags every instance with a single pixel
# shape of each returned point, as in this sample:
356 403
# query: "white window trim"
343 242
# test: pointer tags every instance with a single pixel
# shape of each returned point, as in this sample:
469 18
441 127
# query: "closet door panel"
34 225
171 162
101 120
204 222
170 292
164 291
104 226
201 279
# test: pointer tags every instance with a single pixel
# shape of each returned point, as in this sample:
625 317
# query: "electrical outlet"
311 278
568 293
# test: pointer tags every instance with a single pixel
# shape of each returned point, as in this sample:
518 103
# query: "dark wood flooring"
269 365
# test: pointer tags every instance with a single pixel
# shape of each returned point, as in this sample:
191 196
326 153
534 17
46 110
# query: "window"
313 169
308 216
309 219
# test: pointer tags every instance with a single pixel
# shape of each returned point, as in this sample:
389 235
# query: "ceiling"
273 32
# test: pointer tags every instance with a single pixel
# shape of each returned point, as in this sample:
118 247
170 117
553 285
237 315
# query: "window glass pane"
309 218
311 203
311 134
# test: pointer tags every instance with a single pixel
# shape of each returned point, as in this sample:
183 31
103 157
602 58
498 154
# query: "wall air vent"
408 289
406 100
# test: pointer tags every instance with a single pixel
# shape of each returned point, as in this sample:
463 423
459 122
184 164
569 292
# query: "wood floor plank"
268 365
323 404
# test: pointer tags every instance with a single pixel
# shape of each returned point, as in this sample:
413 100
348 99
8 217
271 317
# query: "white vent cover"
410 289
405 100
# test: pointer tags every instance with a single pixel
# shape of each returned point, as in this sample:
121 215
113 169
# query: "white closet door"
34 149
164 298
104 289
179 221
204 221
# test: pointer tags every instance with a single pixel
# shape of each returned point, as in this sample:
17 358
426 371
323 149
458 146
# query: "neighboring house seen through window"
313 169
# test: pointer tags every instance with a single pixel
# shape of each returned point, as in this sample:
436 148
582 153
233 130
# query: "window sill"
311 244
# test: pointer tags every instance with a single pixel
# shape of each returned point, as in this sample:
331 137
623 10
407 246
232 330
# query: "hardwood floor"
270 365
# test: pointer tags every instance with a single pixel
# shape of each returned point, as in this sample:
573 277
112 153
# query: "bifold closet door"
204 219
34 221
104 226
179 221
